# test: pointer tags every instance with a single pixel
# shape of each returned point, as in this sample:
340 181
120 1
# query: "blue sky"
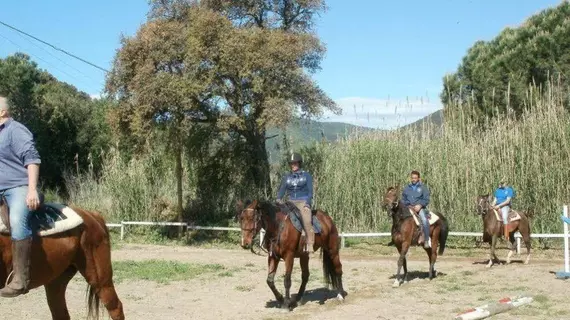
384 64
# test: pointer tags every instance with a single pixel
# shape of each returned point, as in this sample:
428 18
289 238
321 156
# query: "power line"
56 57
54 47
40 58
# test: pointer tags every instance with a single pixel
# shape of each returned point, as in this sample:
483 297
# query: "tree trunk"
259 167
178 173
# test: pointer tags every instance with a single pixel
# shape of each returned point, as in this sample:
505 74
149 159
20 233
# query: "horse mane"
268 209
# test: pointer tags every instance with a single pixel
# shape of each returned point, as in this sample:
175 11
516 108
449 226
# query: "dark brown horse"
493 229
283 241
405 233
55 259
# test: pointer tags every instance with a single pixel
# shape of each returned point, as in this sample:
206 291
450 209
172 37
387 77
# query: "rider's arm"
424 198
309 189
405 200
504 203
33 175
24 147
282 188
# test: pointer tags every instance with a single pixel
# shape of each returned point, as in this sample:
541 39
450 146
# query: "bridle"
257 221
391 205
256 218
481 207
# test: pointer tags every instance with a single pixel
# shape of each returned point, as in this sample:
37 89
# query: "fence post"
342 241
518 245
566 273
122 230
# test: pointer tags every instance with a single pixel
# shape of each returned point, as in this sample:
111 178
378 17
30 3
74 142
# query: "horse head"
483 203
249 217
391 199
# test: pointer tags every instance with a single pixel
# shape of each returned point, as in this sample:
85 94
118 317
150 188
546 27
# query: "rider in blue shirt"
298 185
503 201
19 170
416 196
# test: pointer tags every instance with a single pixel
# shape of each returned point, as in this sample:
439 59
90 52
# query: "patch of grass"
249 265
454 287
160 271
226 274
244 288
521 288
467 273
540 298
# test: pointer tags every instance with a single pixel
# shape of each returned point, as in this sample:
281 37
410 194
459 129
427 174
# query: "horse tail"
93 303
329 273
443 233
99 234
329 269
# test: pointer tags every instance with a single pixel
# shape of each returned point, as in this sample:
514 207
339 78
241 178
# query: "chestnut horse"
55 259
493 229
283 241
405 233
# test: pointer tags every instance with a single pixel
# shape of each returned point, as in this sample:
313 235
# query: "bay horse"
283 241
493 229
405 233
56 258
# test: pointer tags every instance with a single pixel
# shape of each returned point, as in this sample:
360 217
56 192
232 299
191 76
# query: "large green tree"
238 66
496 75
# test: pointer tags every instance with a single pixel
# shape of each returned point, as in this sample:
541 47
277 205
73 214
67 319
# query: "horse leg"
526 238
304 262
405 265
403 250
97 270
55 293
289 259
272 264
492 256
432 256
333 271
512 248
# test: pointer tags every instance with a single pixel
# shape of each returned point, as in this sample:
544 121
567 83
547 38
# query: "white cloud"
95 96
381 113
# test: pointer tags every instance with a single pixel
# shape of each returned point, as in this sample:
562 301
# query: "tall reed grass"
458 161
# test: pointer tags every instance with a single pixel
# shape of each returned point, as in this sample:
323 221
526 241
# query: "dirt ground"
464 282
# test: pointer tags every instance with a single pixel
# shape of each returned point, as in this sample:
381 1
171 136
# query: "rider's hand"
33 200
417 208
496 207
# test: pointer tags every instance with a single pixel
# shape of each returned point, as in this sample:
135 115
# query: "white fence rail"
343 235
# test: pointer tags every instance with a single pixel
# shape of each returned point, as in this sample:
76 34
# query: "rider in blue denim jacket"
298 184
19 170
416 196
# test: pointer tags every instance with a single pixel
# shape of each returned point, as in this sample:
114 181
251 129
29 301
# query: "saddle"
48 219
433 217
293 214
512 216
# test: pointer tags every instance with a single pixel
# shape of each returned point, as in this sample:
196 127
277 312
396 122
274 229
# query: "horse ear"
255 203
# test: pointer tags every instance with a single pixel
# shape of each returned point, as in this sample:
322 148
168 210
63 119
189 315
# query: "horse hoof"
489 265
396 284
340 298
